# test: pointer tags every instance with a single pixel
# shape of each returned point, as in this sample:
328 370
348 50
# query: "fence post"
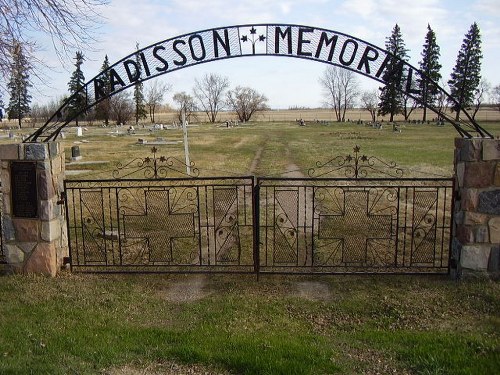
476 227
33 220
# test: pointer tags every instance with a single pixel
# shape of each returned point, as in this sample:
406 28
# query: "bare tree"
186 103
122 108
369 100
480 94
340 90
495 93
209 91
246 101
409 105
70 24
154 96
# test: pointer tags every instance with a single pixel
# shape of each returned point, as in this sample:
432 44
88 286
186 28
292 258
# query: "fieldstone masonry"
476 242
35 245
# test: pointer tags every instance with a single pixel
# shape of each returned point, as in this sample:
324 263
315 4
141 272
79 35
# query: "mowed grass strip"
91 324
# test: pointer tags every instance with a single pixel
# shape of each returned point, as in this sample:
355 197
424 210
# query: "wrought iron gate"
306 225
351 225
158 225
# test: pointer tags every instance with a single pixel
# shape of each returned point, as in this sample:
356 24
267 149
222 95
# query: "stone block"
42 260
26 230
470 199
475 218
460 143
496 178
481 234
9 233
56 166
36 151
479 174
46 185
27 247
48 209
51 230
471 150
494 261
460 173
43 165
5 178
494 227
475 257
465 234
458 217
9 152
489 202
13 254
491 149
6 205
54 149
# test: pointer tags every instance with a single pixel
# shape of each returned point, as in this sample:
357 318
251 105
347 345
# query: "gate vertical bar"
256 225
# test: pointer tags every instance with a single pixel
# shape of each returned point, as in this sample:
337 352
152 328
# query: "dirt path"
189 288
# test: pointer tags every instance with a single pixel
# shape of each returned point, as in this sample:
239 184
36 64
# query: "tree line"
466 87
70 25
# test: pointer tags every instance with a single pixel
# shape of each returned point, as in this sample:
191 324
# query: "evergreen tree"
19 103
77 94
466 74
430 67
140 106
391 97
103 107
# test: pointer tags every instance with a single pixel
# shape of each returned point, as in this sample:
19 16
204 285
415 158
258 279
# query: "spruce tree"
391 96
466 74
103 107
77 94
140 106
430 67
20 99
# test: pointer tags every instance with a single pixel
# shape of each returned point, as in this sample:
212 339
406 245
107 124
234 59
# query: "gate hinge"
63 198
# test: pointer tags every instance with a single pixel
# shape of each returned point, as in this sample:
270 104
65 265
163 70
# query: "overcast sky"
285 81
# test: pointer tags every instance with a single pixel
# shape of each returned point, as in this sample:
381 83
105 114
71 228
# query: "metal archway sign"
297 41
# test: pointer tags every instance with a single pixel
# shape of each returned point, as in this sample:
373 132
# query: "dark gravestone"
75 153
24 189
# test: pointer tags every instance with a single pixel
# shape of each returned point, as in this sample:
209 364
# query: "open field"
222 324
265 149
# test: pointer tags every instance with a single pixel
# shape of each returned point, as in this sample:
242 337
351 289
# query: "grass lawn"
152 324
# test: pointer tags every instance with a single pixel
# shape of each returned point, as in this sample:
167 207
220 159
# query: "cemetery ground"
223 324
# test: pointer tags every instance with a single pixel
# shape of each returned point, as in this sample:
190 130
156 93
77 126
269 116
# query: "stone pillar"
476 241
35 238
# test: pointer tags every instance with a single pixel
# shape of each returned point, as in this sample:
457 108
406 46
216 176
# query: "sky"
286 82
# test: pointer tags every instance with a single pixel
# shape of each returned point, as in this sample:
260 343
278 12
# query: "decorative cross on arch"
355 227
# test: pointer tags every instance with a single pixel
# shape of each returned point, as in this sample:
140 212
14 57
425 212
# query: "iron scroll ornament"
356 166
298 41
154 167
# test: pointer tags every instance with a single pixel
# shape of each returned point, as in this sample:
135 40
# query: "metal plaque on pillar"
24 189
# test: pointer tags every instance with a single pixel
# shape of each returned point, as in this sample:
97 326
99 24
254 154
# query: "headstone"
75 153
79 131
